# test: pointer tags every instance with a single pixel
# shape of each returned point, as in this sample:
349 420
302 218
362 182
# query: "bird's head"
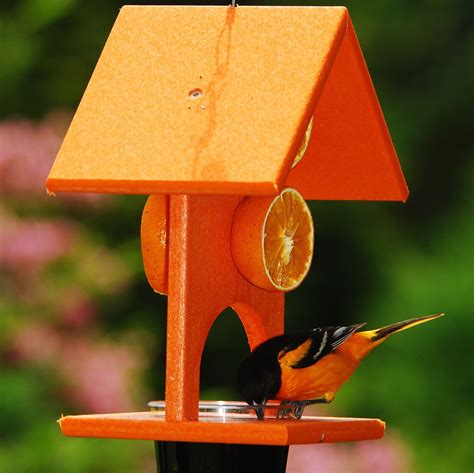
259 377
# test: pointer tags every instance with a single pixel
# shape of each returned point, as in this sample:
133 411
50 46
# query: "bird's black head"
258 378
259 375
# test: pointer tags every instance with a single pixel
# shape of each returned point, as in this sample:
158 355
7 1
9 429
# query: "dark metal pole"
191 457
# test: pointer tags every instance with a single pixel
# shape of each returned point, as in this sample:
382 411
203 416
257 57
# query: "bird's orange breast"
326 375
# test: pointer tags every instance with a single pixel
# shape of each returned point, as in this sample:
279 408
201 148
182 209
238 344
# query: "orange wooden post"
202 282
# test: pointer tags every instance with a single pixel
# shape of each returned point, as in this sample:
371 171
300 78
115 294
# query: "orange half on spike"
272 240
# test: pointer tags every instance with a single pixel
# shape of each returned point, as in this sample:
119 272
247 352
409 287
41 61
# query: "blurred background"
82 332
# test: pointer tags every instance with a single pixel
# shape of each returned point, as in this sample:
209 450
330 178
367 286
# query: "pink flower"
29 245
37 343
76 309
322 458
27 153
101 377
97 375
388 455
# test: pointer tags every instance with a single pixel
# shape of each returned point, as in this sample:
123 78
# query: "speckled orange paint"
147 426
263 73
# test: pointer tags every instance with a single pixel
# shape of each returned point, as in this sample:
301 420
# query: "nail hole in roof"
195 94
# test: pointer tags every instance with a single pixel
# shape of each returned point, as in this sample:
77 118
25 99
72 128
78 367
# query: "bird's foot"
295 408
298 408
285 409
291 409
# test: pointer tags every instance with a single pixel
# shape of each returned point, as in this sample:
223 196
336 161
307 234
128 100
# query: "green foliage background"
374 262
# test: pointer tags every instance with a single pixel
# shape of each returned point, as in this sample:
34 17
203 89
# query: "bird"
310 366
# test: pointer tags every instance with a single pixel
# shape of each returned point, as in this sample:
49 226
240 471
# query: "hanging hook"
233 5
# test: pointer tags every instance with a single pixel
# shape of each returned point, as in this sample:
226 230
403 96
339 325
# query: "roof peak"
201 100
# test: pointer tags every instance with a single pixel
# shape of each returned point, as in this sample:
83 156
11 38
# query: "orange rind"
154 241
272 240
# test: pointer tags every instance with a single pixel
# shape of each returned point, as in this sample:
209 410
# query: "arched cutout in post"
258 328
227 333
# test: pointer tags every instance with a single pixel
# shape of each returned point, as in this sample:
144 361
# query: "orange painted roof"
216 100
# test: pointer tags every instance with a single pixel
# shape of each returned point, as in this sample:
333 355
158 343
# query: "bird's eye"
281 353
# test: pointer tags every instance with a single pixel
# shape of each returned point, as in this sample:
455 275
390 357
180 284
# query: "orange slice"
304 144
154 241
272 240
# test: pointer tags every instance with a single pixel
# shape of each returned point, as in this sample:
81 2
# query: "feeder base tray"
149 426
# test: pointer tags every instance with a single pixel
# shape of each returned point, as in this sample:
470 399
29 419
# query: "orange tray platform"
149 426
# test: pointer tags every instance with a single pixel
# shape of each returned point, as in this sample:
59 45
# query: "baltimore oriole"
306 367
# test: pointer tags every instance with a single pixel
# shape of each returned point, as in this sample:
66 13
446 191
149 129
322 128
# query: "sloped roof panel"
199 100
350 155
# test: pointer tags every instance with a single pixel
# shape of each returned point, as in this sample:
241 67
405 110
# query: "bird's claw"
292 409
284 409
260 411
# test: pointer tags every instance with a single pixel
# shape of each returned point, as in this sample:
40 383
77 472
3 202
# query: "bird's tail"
384 332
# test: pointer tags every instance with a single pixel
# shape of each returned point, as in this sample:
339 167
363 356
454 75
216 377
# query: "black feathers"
324 341
259 375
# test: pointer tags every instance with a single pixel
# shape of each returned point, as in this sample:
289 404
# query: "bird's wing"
318 343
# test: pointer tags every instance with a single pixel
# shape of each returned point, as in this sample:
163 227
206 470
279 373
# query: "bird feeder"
202 108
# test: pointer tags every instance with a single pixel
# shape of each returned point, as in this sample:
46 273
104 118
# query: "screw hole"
195 94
